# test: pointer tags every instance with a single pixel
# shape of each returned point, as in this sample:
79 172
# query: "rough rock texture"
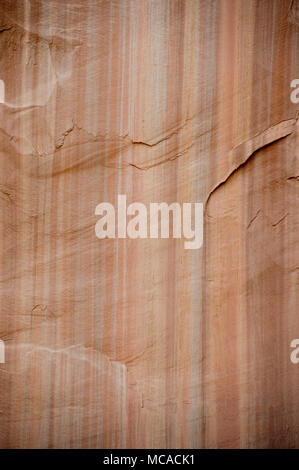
140 343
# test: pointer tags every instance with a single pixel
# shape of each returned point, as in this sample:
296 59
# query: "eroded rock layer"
123 343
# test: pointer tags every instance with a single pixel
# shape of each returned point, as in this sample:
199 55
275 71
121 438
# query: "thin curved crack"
254 218
280 220
173 132
249 148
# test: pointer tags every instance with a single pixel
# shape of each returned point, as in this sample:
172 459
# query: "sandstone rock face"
123 343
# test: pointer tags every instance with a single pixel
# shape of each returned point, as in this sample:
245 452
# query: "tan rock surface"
140 343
